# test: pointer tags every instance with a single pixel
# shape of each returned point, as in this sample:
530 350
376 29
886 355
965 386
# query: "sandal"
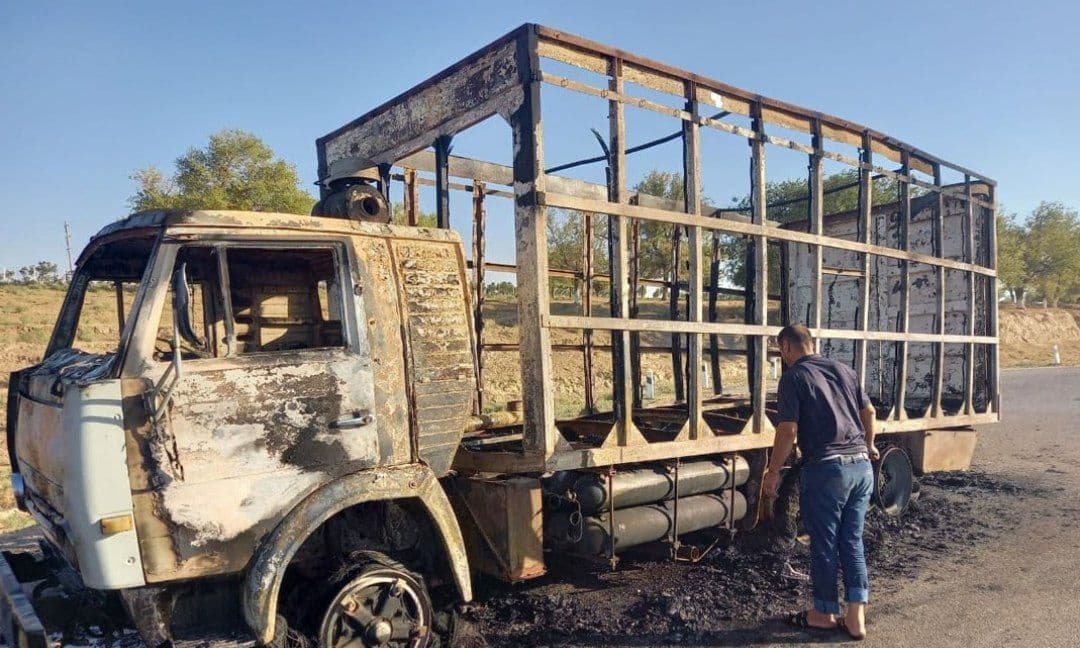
843 626
802 622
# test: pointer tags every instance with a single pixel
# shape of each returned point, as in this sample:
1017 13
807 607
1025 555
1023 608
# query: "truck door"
274 397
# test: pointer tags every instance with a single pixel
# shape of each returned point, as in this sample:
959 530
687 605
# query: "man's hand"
770 486
872 450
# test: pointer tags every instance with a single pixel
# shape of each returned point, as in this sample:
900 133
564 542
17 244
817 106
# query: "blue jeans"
835 494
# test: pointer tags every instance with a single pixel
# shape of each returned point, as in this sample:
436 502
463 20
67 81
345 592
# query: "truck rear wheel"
377 602
894 481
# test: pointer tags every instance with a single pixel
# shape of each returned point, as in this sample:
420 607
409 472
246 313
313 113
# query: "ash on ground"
739 593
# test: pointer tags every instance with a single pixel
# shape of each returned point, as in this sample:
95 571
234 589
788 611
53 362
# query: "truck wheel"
894 481
377 602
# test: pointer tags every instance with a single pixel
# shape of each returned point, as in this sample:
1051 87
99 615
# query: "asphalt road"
1024 588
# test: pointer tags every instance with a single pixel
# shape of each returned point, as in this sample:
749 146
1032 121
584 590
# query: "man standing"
823 406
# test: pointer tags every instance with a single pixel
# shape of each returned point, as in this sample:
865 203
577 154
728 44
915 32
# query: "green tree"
657 240
43 272
501 290
423 218
566 248
235 170
1052 253
1012 264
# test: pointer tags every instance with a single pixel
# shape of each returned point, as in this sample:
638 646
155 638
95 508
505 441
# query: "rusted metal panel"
375 270
692 194
936 450
816 182
435 314
502 520
530 230
244 442
925 325
477 87
621 356
757 277
478 257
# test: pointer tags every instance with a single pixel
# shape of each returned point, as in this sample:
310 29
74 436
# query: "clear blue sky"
91 91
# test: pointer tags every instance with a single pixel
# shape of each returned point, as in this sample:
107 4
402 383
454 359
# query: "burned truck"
328 425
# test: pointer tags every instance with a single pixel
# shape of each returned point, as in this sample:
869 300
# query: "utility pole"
67 242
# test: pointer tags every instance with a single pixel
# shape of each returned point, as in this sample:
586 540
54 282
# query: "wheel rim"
379 608
895 481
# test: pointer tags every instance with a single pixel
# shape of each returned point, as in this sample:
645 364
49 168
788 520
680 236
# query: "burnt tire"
894 481
379 602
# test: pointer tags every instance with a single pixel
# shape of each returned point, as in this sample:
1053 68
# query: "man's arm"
783 442
868 416
787 431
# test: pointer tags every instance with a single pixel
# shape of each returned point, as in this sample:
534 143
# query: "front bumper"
20 626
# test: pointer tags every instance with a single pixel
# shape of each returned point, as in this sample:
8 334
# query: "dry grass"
27 316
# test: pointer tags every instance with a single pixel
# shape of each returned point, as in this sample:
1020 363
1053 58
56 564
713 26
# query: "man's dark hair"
796 334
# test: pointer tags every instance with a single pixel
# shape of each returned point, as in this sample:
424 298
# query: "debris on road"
737 588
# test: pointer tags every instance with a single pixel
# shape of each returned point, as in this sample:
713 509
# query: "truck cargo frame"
506 78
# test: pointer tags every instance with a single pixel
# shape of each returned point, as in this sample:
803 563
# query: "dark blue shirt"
823 397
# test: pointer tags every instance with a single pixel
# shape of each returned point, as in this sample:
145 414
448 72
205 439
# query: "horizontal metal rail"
749 134
750 229
587 54
730 328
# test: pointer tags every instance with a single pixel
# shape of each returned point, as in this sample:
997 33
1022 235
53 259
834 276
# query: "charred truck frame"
297 430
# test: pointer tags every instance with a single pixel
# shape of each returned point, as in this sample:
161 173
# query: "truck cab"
270 369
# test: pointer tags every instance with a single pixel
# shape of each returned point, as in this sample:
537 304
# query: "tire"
894 481
379 602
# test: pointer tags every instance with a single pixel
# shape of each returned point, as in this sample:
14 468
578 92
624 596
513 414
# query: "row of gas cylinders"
585 516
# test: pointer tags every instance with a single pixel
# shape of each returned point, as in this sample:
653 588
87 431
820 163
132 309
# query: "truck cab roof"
147 222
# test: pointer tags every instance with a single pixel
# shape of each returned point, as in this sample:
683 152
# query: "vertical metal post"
714 293
120 317
384 180
675 514
905 287
866 222
411 198
635 336
760 269
530 224
442 181
939 275
677 368
620 267
817 211
691 138
586 310
612 559
995 360
479 227
969 257
225 287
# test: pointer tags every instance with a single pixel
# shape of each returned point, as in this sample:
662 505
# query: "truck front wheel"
377 602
